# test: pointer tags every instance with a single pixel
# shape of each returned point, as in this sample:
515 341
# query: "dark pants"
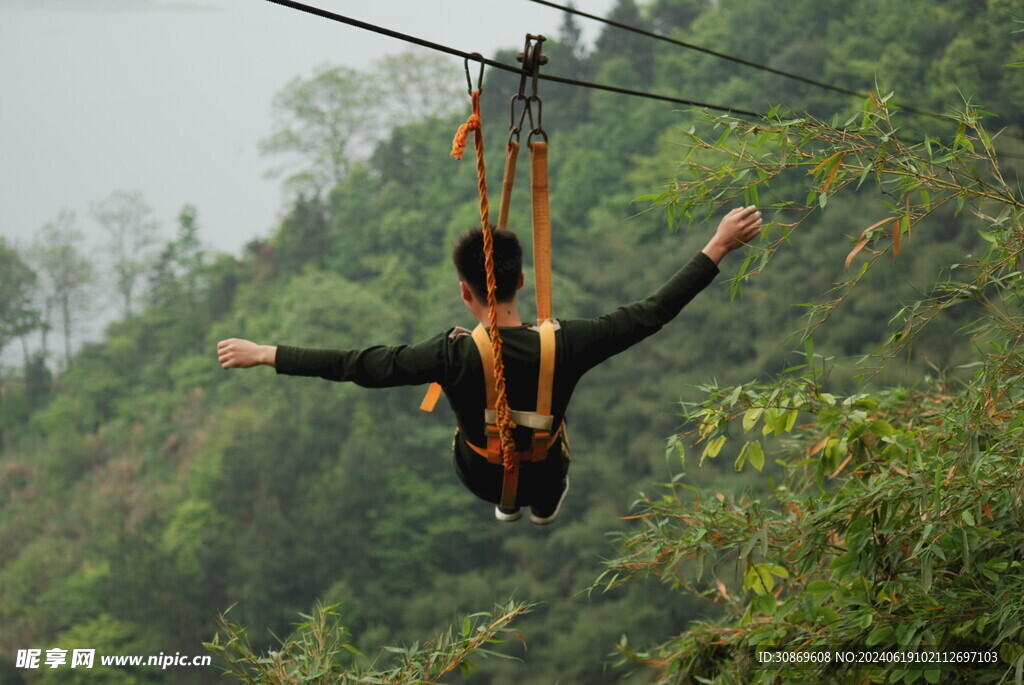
540 482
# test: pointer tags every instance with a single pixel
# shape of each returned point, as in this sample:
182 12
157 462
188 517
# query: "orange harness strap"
509 179
430 399
541 228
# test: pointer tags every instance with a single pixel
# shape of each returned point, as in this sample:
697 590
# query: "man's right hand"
235 353
736 229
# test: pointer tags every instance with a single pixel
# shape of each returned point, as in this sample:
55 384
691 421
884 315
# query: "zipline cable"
721 55
568 81
499 65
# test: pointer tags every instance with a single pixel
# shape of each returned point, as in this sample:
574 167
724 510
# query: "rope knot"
472 124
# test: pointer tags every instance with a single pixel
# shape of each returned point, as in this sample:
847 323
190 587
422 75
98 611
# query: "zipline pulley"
532 58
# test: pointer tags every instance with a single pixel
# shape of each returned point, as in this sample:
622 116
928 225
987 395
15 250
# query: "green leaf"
882 429
712 449
829 415
878 636
819 587
759 579
967 517
741 459
826 615
750 418
841 564
755 454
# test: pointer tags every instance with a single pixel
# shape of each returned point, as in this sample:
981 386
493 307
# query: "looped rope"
461 136
503 418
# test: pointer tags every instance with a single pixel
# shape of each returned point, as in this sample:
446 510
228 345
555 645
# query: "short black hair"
468 255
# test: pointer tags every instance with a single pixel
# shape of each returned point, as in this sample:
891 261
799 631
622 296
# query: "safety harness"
540 421
498 416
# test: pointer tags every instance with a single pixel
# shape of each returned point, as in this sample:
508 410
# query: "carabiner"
480 76
540 112
514 127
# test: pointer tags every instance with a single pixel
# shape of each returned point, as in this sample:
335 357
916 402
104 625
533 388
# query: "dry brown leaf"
854 251
841 466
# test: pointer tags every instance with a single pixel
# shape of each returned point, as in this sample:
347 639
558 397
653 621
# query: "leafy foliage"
896 520
311 654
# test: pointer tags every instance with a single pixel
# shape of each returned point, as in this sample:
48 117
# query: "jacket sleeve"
592 341
373 367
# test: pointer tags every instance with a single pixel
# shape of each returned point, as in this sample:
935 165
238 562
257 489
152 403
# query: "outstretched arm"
736 229
372 367
597 339
235 353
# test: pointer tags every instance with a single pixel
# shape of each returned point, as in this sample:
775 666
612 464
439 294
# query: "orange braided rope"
503 417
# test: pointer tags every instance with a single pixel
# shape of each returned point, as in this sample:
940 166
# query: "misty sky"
171 96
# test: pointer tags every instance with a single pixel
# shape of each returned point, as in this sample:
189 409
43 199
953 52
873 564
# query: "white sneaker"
548 520
508 516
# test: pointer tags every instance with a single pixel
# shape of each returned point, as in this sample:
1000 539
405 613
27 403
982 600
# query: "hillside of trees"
144 490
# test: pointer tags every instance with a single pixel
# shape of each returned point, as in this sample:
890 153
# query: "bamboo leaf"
854 251
712 449
832 174
755 454
750 418
895 239
878 636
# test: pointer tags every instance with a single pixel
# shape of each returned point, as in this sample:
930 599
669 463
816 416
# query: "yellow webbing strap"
541 228
511 154
494 453
546 375
483 345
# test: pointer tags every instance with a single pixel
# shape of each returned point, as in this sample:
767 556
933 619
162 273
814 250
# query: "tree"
66 277
893 521
322 123
178 269
335 117
673 15
418 85
132 233
18 316
18 313
634 50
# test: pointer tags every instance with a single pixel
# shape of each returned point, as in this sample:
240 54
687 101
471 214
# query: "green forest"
823 451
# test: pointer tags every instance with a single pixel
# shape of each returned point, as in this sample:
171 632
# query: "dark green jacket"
452 360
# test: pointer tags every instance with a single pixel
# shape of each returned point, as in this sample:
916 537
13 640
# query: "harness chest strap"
540 420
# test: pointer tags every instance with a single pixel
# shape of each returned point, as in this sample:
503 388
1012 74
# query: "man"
453 360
